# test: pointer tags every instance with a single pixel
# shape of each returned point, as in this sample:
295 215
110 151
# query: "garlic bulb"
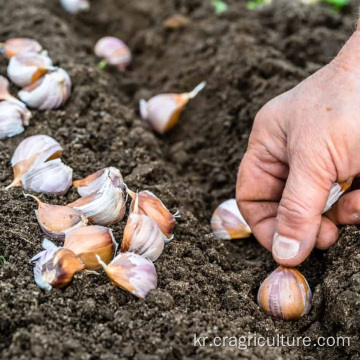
75 6
337 190
93 183
162 111
49 92
105 207
114 52
31 152
153 207
26 68
285 294
17 46
13 118
87 242
132 273
228 223
56 221
51 177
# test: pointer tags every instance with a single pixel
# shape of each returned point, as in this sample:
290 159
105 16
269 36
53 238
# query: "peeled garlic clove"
26 68
56 221
75 6
228 223
93 183
114 52
90 241
17 46
31 152
132 273
162 111
51 177
105 207
49 92
285 294
336 191
152 206
55 267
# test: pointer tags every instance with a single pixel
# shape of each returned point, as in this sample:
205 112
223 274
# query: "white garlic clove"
13 118
26 68
94 182
132 273
228 223
75 6
113 51
105 207
31 152
51 177
337 190
17 46
49 92
162 111
4 92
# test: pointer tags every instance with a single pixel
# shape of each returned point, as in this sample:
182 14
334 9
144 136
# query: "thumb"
299 215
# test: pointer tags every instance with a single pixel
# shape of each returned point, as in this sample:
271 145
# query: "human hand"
301 143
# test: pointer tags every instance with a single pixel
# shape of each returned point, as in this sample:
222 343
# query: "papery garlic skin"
227 222
51 177
132 273
17 46
75 6
142 236
13 118
49 92
337 190
285 294
90 241
26 68
94 182
114 51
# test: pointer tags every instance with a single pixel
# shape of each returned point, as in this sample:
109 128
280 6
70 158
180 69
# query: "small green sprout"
102 64
337 5
220 6
254 4
2 258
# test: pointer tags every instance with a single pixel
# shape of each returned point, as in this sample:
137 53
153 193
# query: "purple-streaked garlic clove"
56 220
51 177
151 206
55 267
90 241
49 92
17 46
142 235
94 182
227 222
105 207
337 190
75 6
285 294
13 118
162 111
132 273
114 52
24 69
31 152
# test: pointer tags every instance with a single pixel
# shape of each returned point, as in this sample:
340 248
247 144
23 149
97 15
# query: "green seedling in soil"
337 5
219 6
2 258
102 64
254 4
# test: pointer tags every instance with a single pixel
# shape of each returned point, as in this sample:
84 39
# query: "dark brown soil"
206 287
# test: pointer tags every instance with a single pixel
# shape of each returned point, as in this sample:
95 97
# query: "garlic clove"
105 207
26 68
87 242
162 111
75 6
337 190
31 152
51 177
94 182
17 46
132 273
114 52
4 92
55 267
153 207
285 294
56 221
49 92
227 222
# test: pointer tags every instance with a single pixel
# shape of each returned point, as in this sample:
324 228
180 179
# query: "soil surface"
206 287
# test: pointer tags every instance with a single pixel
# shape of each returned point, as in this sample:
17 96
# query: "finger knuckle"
292 211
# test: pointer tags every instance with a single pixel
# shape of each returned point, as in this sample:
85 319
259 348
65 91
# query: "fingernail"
285 248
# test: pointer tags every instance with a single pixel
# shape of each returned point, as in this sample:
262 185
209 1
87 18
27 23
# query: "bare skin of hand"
301 143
